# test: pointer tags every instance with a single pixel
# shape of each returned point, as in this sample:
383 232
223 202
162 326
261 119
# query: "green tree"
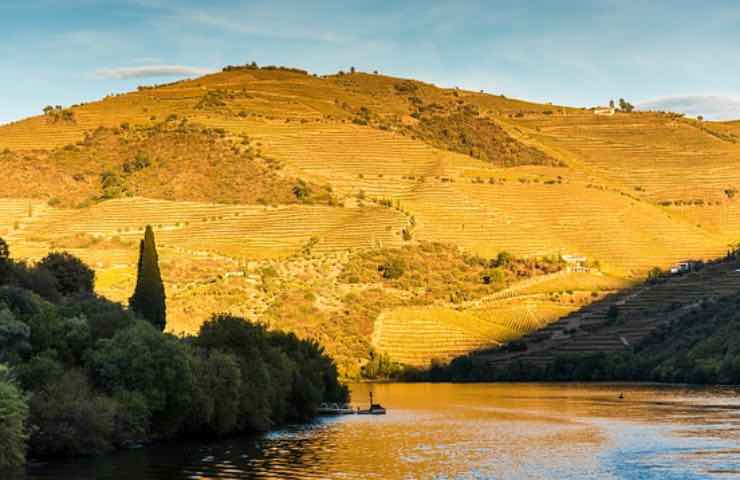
142 359
625 106
14 335
69 418
13 416
148 299
72 275
217 389
6 265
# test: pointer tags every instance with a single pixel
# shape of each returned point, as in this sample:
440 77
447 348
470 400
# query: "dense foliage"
466 132
91 376
13 415
169 159
443 271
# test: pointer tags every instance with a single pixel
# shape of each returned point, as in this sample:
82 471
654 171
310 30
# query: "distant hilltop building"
686 266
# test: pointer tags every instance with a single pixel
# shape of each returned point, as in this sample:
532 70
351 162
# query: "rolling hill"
266 187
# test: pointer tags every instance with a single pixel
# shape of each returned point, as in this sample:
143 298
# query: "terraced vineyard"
228 230
640 311
418 335
264 181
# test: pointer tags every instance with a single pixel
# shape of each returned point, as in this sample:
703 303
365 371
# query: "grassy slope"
480 171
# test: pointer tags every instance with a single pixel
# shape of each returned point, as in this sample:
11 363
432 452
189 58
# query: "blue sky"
678 53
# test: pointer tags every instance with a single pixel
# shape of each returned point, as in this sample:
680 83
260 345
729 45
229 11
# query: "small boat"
375 408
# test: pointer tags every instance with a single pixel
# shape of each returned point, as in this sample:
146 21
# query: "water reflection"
468 431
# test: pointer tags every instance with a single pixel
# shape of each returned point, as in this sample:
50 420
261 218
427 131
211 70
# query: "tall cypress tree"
148 300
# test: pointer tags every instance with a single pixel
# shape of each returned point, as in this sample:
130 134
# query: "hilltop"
272 190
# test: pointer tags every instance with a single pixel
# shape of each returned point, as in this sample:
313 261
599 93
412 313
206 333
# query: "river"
476 431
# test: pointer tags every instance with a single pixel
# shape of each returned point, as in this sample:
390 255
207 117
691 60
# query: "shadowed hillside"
672 328
267 187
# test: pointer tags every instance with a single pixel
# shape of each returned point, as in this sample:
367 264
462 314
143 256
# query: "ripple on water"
527 431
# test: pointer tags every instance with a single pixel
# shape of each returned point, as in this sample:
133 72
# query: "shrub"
392 269
494 276
381 366
43 369
132 420
301 191
140 162
68 418
112 185
406 86
503 259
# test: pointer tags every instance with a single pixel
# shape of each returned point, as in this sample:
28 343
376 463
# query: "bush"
132 420
494 276
43 369
112 185
140 162
392 269
13 417
72 275
380 366
68 418
503 259
301 191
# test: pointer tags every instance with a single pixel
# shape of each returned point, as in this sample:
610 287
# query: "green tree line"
80 374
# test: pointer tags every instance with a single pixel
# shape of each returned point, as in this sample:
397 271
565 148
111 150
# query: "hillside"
264 185
679 328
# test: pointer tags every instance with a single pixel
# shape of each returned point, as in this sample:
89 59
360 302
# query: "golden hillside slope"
261 183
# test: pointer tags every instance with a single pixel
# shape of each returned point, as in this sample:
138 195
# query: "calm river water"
442 431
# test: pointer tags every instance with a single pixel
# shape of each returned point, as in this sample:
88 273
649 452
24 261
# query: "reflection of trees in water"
449 431
300 451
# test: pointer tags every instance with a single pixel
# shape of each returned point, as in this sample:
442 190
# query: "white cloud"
152 71
711 107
